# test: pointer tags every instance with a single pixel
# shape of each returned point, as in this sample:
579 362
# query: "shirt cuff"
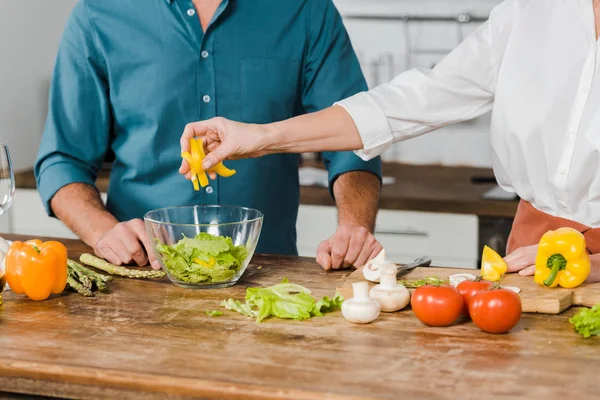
55 176
344 162
371 122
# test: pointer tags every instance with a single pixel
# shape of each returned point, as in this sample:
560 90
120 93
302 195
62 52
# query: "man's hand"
127 242
522 260
349 246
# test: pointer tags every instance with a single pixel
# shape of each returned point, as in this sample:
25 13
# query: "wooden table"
150 339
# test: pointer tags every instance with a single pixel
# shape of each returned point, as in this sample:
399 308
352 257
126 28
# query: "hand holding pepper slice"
195 158
37 269
562 259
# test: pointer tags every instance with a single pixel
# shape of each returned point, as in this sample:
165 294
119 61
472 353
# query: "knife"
419 262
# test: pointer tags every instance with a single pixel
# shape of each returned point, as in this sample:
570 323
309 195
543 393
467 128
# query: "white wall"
29 35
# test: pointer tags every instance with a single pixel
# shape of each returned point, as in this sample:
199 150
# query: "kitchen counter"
417 188
151 339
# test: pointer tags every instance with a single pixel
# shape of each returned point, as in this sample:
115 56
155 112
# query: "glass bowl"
204 246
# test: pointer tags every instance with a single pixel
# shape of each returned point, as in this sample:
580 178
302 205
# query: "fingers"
521 258
357 240
369 251
339 247
130 241
138 227
218 155
111 247
126 242
324 255
527 271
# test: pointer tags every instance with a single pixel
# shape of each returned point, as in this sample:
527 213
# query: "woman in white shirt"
535 64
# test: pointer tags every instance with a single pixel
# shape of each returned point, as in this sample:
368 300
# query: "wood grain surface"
151 339
418 188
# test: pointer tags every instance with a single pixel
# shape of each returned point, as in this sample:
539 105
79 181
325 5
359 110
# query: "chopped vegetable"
430 280
195 158
493 266
37 269
204 258
372 269
587 321
105 266
214 313
562 259
285 300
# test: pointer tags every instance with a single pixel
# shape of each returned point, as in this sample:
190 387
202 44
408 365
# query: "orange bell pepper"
36 269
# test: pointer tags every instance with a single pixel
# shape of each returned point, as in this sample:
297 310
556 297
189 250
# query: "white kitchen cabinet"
27 216
451 240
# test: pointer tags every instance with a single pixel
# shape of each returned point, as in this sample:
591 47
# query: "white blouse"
534 63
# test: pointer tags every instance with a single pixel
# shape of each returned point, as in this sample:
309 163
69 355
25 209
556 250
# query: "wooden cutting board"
534 298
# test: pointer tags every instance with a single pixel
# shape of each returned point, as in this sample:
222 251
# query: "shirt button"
206 98
191 12
204 54
563 171
209 189
562 205
585 88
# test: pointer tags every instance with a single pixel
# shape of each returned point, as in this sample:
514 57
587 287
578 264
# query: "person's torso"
165 72
546 118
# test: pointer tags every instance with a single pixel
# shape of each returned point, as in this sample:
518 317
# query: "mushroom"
372 269
390 295
360 309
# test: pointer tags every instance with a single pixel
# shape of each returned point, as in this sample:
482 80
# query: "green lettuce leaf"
587 321
179 258
285 300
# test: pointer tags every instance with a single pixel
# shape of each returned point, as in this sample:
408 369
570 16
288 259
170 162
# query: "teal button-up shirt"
131 74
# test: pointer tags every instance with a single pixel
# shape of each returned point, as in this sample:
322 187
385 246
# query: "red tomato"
468 288
437 305
495 311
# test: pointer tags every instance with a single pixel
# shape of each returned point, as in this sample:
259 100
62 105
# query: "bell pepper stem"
556 263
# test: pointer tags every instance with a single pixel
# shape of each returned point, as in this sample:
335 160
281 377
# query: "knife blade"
419 262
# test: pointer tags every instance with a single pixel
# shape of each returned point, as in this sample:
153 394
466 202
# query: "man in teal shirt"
130 74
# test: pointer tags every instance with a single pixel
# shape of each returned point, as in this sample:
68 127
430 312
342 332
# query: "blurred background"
439 199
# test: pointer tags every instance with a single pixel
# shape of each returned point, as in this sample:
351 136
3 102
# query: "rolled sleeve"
372 125
339 163
77 130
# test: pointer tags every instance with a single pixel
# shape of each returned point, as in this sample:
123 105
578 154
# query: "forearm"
331 129
357 198
80 208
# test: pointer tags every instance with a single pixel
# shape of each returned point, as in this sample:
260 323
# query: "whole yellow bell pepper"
562 259
36 269
195 158
493 266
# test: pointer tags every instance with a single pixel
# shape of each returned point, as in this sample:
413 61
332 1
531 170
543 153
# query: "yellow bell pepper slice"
493 266
562 259
211 263
195 158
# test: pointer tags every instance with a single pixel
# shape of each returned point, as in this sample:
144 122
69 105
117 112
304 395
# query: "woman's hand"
224 139
522 260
